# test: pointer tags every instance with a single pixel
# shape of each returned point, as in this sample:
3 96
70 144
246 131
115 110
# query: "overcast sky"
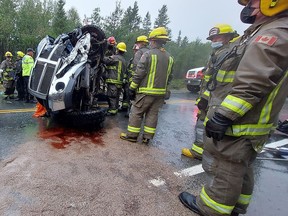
193 17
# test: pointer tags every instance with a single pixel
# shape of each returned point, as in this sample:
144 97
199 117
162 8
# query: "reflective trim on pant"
149 130
133 129
244 199
222 209
197 149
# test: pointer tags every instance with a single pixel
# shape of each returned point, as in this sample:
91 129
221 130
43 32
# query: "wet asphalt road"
48 169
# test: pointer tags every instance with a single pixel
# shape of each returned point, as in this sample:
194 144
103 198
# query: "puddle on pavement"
60 136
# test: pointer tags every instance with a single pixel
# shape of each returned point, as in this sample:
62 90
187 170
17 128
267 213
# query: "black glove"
202 104
132 94
217 126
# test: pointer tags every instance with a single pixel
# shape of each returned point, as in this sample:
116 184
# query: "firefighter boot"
189 201
145 141
189 153
124 136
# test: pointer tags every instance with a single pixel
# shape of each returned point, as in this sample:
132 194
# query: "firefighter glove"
132 94
217 126
202 103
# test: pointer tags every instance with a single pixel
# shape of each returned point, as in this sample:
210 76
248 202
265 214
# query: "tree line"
23 23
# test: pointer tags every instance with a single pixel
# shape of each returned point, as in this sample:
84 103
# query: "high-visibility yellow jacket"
27 65
153 72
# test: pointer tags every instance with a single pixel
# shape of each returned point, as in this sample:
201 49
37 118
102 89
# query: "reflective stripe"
222 209
237 105
197 149
249 130
133 129
111 67
225 76
113 111
149 130
244 199
207 93
266 110
151 76
171 61
119 71
207 78
133 85
114 81
152 91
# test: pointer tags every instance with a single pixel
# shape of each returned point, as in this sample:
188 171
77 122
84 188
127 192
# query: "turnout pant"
113 93
148 106
228 164
197 146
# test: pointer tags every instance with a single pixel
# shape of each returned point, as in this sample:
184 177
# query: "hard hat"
122 47
235 39
158 33
20 54
111 40
8 54
222 29
142 38
269 7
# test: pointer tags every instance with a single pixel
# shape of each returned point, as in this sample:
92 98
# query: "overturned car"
67 76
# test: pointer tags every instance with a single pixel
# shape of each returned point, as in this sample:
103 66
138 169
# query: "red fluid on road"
60 137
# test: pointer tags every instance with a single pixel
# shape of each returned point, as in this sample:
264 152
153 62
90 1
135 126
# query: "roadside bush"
177 84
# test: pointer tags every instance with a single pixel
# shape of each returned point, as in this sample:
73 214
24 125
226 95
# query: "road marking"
191 171
157 182
277 143
17 110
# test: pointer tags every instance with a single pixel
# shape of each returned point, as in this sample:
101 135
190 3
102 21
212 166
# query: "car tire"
193 88
84 119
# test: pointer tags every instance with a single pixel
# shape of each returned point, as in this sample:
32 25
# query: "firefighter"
148 87
140 47
127 81
19 77
115 69
220 36
27 66
111 46
8 76
251 90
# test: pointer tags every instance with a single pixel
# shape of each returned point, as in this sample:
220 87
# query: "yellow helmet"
158 33
235 39
121 46
222 29
20 54
142 38
8 54
269 7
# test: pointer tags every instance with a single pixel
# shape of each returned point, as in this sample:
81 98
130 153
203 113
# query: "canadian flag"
269 40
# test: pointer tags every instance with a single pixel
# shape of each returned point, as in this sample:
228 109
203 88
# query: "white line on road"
191 171
277 143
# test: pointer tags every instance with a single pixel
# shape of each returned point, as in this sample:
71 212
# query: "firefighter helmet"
8 54
20 54
122 47
158 33
269 7
111 40
142 38
222 29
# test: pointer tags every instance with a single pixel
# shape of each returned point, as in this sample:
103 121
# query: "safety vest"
27 65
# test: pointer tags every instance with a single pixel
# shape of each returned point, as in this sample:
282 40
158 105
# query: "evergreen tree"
60 21
112 23
162 19
96 17
147 23
73 19
131 20
8 10
179 39
184 42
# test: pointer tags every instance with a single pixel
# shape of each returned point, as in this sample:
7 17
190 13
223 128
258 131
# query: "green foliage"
24 23
177 84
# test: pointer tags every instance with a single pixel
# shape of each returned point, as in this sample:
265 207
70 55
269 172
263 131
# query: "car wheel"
84 119
193 88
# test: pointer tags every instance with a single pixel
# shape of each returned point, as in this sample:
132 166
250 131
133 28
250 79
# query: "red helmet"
111 40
